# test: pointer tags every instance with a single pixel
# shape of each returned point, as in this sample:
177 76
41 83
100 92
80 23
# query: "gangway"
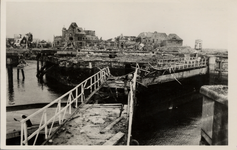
90 86
78 94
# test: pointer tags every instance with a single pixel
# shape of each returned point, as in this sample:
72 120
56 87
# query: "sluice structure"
121 76
154 68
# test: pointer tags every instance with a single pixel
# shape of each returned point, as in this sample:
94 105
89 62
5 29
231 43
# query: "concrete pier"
214 129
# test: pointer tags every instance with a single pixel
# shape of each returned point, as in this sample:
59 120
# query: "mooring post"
42 56
23 75
17 74
37 66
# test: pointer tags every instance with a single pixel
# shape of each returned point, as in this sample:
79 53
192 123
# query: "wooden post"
37 66
17 74
23 75
42 56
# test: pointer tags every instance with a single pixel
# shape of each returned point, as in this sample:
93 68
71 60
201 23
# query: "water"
31 90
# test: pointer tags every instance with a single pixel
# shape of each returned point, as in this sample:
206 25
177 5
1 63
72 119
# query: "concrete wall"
214 127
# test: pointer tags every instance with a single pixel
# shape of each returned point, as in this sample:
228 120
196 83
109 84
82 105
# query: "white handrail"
96 81
131 97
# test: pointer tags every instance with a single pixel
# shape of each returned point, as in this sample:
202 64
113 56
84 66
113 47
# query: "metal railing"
183 64
131 97
91 84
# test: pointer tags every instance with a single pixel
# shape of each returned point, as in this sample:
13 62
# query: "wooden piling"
17 74
23 75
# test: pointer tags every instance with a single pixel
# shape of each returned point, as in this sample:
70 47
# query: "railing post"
70 105
25 134
22 130
98 80
46 127
82 94
76 97
91 84
94 82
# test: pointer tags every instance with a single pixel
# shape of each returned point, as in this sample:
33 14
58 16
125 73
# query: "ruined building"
125 41
156 39
75 37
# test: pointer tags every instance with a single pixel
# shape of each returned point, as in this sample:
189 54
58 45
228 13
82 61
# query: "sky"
189 19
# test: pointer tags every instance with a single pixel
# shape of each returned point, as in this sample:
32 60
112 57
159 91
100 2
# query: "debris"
96 120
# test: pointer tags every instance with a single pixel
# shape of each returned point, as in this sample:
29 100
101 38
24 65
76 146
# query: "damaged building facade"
75 37
125 41
156 39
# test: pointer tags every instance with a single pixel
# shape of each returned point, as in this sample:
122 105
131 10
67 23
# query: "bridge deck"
93 124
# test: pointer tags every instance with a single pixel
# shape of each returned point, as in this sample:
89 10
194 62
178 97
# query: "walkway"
93 124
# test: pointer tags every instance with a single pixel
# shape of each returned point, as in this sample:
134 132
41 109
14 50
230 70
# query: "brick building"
75 37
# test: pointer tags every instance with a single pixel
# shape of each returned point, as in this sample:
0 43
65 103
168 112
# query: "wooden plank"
206 137
114 140
111 125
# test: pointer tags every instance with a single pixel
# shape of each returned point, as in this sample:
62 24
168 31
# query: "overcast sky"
189 19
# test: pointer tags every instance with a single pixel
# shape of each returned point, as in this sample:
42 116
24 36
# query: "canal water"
30 90
163 128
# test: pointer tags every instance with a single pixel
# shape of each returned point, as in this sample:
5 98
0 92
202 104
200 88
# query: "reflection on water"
10 84
31 90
